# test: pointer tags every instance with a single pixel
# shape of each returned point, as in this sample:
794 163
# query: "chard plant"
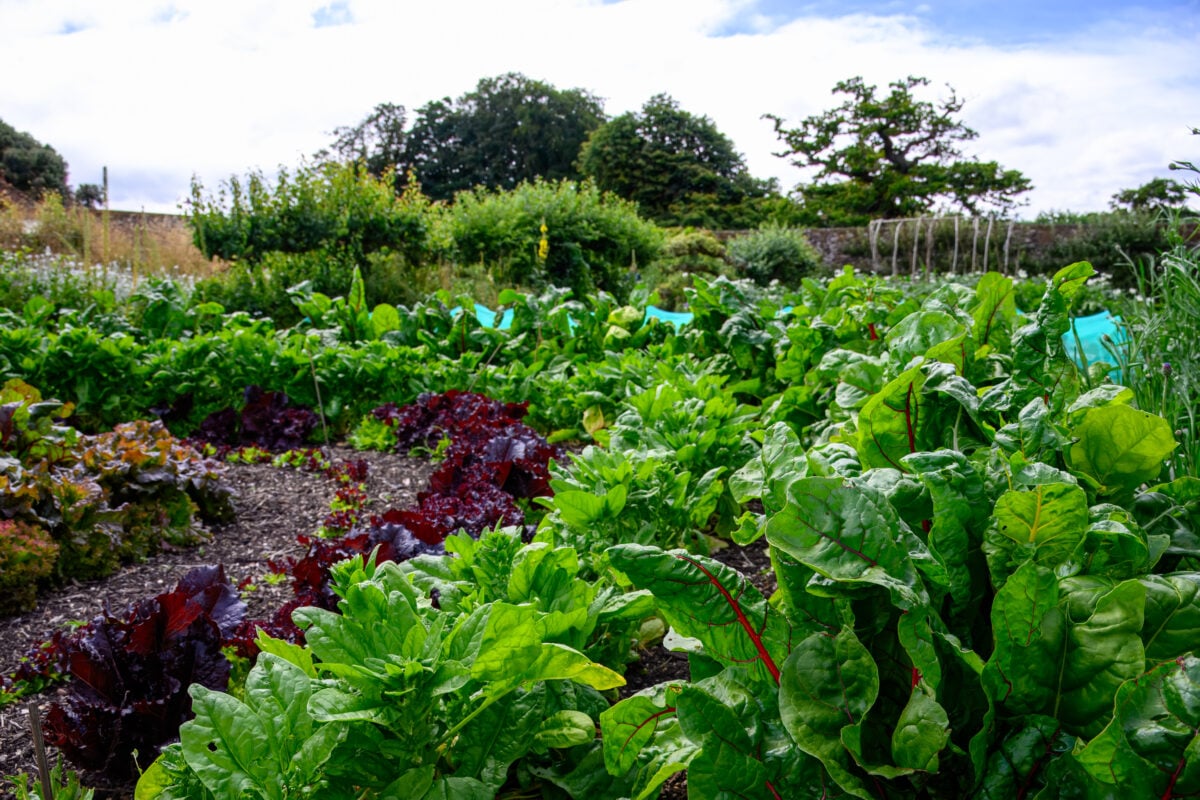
983 592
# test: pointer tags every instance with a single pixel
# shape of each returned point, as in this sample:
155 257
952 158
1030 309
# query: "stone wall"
1007 247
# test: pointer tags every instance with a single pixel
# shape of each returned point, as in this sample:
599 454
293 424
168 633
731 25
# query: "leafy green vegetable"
1119 447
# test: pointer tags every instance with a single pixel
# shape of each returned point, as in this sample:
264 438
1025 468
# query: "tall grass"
145 244
1162 361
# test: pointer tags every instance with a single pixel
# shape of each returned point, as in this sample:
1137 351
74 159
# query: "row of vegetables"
986 568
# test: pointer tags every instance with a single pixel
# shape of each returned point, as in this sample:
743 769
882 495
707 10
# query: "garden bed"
274 504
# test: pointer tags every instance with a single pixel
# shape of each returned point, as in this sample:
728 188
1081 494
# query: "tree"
377 142
89 195
1153 196
676 166
510 129
891 157
30 166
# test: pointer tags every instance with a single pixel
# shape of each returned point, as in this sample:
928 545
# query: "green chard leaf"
1045 523
849 533
920 331
1152 746
893 422
1018 766
706 600
995 311
829 683
1063 648
1172 620
959 519
1119 447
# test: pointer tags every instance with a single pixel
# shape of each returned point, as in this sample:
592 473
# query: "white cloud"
216 87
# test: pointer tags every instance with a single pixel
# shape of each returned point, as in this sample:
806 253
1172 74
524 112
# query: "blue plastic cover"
1091 331
674 317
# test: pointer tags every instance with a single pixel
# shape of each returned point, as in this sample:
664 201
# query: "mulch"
274 505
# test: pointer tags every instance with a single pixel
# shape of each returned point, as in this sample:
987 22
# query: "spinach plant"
391 698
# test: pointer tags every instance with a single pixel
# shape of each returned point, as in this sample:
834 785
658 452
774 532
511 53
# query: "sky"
1085 97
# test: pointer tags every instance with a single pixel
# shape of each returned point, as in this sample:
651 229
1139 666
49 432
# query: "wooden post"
39 748
954 260
873 237
896 248
974 244
987 240
1007 239
912 270
104 226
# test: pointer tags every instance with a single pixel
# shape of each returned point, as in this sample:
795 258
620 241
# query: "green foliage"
333 209
1154 196
594 238
677 167
509 130
1161 362
30 166
775 253
738 333
983 587
686 252
89 195
1112 242
592 616
64 785
892 157
663 478
976 589
394 697
376 143
40 288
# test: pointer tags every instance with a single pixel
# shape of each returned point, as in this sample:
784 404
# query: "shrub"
1111 242
333 208
686 252
27 555
592 239
775 253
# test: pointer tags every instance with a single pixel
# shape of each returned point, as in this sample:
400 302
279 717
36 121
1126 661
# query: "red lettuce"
129 674
267 420
492 460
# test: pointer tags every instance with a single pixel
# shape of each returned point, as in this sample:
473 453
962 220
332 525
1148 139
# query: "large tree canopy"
508 130
30 166
892 156
676 166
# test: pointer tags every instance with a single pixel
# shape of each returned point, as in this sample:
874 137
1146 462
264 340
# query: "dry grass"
148 244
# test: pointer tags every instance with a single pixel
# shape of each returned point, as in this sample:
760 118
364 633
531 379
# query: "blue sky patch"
336 13
1013 23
